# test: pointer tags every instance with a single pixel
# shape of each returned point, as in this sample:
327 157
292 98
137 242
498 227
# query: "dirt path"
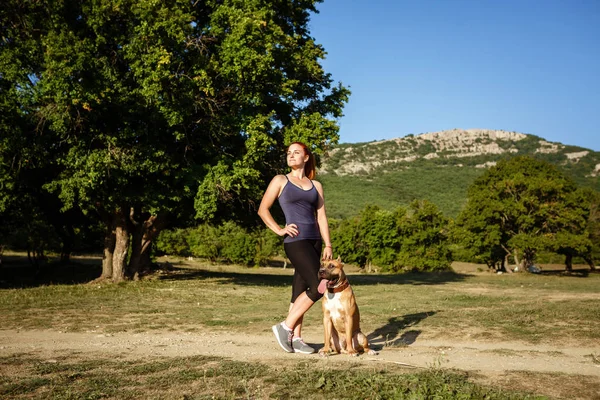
510 365
486 358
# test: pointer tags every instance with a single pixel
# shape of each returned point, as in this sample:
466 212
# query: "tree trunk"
524 265
109 248
507 263
121 246
516 257
501 266
569 262
141 246
68 239
527 261
590 261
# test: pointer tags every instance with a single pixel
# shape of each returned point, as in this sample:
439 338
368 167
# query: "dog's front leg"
327 327
349 335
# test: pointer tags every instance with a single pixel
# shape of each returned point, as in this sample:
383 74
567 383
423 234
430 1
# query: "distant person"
305 230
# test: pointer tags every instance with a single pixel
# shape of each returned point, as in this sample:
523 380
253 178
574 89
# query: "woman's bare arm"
271 194
323 223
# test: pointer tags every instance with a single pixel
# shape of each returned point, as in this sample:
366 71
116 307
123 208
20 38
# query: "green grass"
195 296
202 377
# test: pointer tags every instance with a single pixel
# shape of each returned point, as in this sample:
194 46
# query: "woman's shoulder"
317 184
279 180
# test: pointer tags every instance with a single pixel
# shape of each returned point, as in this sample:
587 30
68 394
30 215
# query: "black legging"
305 256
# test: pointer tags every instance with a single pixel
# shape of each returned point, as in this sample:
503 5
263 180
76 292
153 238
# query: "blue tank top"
300 207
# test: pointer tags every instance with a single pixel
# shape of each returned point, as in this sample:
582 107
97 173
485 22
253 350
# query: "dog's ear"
339 259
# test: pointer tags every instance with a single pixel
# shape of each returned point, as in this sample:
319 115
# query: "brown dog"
341 319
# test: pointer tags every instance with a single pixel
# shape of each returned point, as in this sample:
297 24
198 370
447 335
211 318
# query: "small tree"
425 244
378 231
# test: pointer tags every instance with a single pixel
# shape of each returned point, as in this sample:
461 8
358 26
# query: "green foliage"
228 243
268 245
446 187
402 240
425 148
172 242
413 239
237 245
205 242
425 242
379 233
159 107
521 207
346 240
593 223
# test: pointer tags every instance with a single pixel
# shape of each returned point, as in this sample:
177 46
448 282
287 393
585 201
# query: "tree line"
120 120
515 211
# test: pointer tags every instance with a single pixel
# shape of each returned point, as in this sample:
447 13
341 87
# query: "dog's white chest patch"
334 305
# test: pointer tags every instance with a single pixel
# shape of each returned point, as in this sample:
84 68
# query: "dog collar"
339 288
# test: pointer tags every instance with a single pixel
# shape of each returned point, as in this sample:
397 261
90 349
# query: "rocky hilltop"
479 148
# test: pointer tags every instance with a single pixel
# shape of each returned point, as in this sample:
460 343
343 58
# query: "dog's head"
333 271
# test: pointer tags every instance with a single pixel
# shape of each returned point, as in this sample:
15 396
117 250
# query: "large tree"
522 206
153 108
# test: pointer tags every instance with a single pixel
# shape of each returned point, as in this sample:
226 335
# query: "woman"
306 227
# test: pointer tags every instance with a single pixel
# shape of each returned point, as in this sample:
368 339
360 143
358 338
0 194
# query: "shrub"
236 244
268 245
205 242
172 242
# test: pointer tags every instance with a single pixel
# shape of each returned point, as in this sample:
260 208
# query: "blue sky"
531 66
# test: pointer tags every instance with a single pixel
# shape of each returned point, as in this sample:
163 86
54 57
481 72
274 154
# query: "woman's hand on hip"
290 230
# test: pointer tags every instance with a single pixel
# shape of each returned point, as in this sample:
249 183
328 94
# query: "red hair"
309 167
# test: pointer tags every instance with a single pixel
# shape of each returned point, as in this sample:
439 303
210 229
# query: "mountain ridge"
458 143
437 166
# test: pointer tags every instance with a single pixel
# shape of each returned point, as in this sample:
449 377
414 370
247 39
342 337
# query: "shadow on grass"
236 278
262 279
409 278
12 277
17 272
576 273
388 334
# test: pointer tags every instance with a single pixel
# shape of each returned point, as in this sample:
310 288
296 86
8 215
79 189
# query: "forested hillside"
437 166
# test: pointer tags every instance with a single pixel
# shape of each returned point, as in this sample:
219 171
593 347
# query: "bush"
228 243
205 242
268 245
172 242
236 244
